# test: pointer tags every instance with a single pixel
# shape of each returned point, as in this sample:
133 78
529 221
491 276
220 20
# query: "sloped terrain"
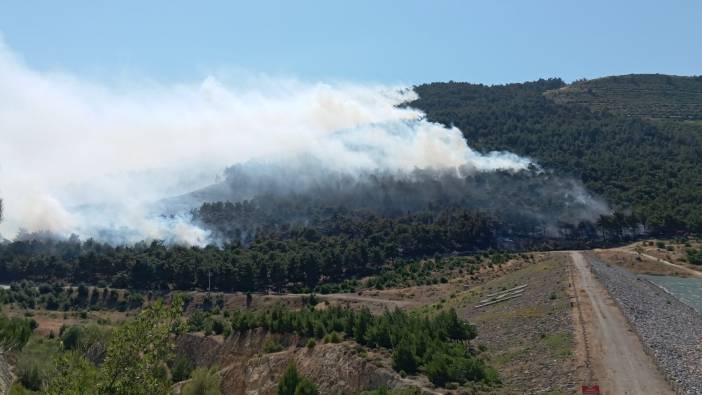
336 368
637 95
648 170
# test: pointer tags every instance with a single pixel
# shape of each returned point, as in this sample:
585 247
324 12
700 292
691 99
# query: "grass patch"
559 343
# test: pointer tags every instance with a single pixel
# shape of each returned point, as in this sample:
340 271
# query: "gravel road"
618 360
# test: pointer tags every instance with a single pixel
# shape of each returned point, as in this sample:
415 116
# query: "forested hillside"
648 167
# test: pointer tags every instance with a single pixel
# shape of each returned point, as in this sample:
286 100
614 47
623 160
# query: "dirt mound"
336 368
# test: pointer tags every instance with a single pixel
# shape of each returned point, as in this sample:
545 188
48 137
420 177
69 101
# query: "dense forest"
649 167
299 258
331 247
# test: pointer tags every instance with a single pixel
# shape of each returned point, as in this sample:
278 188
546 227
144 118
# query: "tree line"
298 258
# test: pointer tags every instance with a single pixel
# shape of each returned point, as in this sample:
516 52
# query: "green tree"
74 375
403 358
292 383
138 350
181 368
289 381
136 357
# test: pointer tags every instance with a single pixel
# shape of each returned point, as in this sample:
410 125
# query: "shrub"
292 383
332 337
14 332
203 382
44 288
82 337
217 326
694 256
181 368
82 291
311 343
52 303
196 321
135 300
306 387
289 380
271 345
30 376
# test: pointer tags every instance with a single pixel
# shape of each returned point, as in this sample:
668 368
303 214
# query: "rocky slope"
336 368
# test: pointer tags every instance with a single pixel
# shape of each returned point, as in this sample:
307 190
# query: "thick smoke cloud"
81 157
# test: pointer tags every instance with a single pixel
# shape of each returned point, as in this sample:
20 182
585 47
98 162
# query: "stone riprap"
669 329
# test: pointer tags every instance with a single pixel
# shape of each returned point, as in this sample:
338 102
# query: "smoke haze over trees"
631 139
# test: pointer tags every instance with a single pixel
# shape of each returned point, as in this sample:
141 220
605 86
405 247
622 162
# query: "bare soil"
423 295
528 338
673 254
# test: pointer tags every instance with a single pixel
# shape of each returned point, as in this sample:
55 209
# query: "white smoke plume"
81 157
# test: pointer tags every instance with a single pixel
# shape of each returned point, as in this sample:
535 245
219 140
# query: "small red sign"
590 389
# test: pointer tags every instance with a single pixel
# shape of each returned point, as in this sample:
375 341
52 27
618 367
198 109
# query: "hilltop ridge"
637 95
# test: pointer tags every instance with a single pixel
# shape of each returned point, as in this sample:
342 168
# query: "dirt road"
368 299
617 361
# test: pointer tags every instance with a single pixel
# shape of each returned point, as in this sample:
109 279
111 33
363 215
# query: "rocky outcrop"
335 368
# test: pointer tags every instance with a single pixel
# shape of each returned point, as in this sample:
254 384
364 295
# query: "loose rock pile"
671 330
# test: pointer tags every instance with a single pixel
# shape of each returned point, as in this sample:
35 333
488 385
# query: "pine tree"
289 381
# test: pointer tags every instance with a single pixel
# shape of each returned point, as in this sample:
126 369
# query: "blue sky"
364 41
